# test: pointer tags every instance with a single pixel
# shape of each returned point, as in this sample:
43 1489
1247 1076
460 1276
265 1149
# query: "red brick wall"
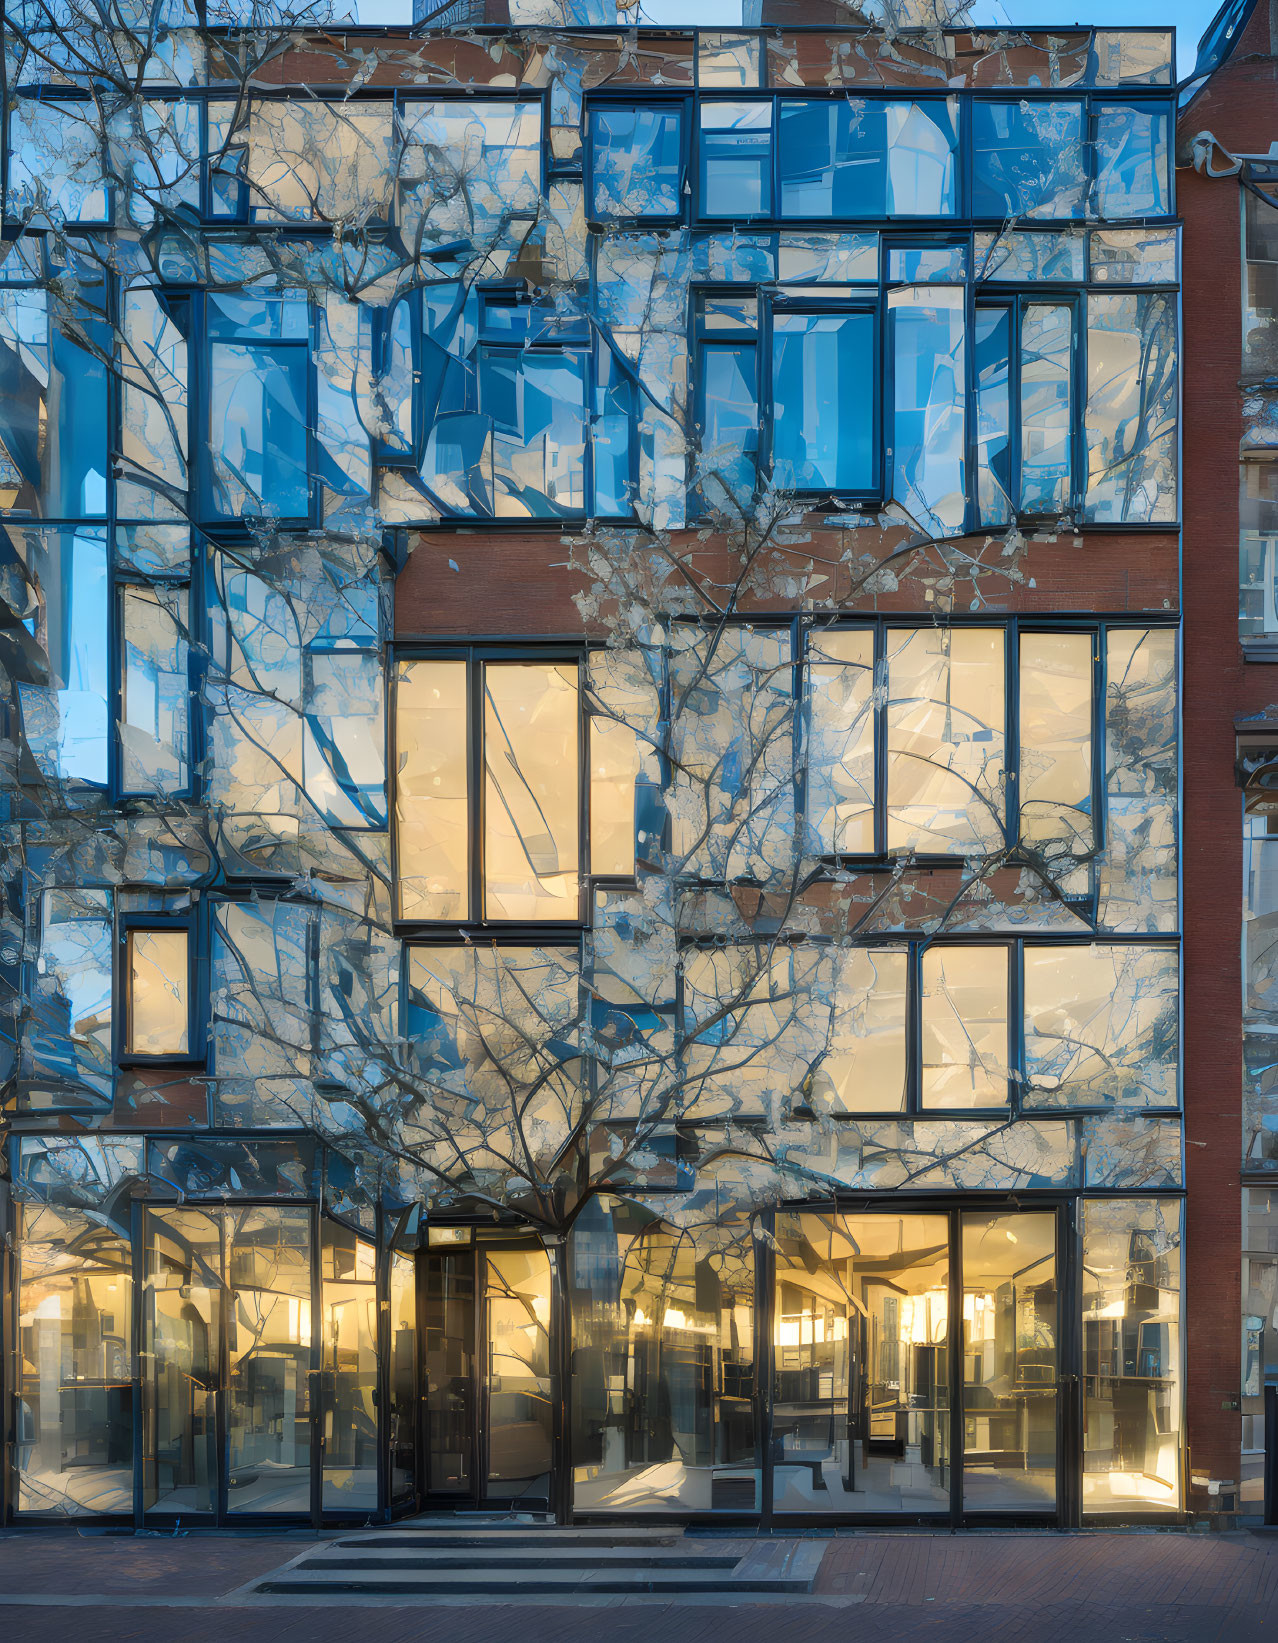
1240 107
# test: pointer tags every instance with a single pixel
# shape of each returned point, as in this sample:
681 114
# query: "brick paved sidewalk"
873 1588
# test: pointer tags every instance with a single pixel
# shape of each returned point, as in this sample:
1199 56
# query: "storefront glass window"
1131 1356
663 1364
75 1344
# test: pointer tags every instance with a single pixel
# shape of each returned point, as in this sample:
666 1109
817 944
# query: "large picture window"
509 790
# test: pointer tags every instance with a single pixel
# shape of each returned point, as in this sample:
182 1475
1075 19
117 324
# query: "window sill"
1260 647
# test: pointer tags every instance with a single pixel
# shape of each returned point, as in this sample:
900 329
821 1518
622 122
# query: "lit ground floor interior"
950 1361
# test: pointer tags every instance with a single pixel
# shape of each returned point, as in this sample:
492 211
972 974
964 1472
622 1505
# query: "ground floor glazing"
939 1360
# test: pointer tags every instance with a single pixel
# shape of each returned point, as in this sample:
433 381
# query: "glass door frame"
222 1517
953 1206
478 1496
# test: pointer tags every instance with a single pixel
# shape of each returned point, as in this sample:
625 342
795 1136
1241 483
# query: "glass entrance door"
1011 1362
487 1363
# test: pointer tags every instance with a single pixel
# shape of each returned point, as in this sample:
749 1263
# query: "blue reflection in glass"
1028 159
636 162
823 390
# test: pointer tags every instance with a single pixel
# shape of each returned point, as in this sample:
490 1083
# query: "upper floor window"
823 400
864 157
525 413
259 406
974 417
53 412
1260 303
508 793
636 162
1258 517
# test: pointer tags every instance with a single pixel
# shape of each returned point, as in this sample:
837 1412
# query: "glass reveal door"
1011 1362
861 1408
487 1365
518 1390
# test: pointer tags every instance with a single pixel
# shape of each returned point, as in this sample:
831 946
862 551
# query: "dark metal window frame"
194 923
476 655
1158 99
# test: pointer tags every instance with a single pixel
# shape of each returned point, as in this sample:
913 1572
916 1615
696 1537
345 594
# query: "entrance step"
502 1566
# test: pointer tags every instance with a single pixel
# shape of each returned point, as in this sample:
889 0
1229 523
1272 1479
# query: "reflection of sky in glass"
78 651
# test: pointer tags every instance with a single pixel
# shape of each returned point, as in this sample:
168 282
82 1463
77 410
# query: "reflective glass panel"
729 422
736 159
449 1365
1029 159
74 1434
182 1321
1056 702
864 1068
159 1010
1046 401
861 1404
841 740
965 1021
663 1364
1010 1364
432 799
404 1390
268 1406
636 162
531 851
348 1366
928 340
258 406
518 1389
1132 176
1131 1356
993 415
823 389
945 716
615 755
155 691
1260 1336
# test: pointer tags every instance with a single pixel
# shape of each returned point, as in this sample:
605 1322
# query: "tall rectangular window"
840 751
432 790
1258 518
1056 701
258 407
636 163
1133 161
965 1024
728 399
531 848
1260 304
929 340
1024 358
824 382
157 992
945 730
736 159
155 689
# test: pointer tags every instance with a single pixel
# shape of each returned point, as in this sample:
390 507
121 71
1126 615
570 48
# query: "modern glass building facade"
594 797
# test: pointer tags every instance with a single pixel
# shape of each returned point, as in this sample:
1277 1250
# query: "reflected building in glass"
594 797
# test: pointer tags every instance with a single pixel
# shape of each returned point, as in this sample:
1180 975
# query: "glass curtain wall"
1011 1365
74 1427
348 1368
663 1364
860 1414
1131 1357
